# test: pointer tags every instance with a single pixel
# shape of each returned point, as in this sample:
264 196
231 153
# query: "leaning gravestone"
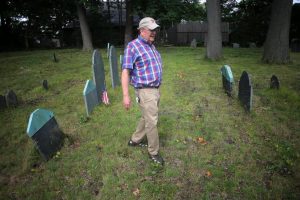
235 45
44 131
113 62
245 91
227 79
2 102
194 43
11 99
91 99
45 84
54 58
98 73
274 84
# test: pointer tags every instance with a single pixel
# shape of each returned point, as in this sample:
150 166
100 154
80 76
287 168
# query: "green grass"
249 155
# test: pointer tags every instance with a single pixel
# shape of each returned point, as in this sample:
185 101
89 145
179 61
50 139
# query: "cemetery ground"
212 147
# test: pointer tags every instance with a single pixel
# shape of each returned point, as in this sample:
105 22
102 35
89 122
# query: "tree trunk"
276 47
214 36
129 22
84 27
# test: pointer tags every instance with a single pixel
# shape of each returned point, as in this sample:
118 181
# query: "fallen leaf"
208 174
201 140
136 192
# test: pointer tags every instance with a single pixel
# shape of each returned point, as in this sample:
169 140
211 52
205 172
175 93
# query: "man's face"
148 35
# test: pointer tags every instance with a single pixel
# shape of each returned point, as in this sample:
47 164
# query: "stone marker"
90 97
194 43
11 99
98 73
44 131
245 91
113 62
54 58
227 79
108 49
235 45
45 84
2 102
274 83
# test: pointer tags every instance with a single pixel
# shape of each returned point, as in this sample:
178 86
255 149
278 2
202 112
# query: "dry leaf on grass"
201 140
208 174
136 192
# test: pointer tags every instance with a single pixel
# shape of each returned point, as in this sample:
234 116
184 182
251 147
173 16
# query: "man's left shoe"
157 159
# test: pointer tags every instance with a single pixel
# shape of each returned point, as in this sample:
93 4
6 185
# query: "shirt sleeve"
128 58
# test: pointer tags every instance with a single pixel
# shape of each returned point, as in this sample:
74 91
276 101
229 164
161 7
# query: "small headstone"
274 84
113 61
11 99
245 91
54 58
98 73
108 48
194 43
227 79
44 131
45 84
252 45
90 97
235 45
2 102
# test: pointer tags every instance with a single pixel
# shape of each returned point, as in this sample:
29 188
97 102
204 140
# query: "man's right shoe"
134 144
157 159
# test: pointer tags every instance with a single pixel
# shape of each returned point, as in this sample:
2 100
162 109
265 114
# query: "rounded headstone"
274 83
11 99
45 84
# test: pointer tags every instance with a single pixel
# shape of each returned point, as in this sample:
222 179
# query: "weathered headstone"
54 58
227 79
108 49
98 73
194 43
274 83
235 45
45 84
91 99
44 131
113 62
11 99
245 91
2 102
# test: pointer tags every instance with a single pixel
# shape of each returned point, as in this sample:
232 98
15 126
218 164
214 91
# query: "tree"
214 35
276 47
84 27
129 22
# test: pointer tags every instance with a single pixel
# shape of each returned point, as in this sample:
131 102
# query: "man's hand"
126 102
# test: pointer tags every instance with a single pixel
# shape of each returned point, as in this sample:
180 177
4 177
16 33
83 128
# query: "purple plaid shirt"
144 63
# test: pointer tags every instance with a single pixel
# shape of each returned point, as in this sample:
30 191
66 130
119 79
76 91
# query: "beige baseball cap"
149 23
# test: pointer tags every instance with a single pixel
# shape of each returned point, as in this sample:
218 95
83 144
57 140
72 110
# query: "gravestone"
235 45
227 79
252 45
45 84
11 99
274 83
194 43
108 48
113 62
2 102
44 131
54 58
98 73
91 99
245 91
121 61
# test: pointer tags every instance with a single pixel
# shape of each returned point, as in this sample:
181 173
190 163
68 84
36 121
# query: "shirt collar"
143 40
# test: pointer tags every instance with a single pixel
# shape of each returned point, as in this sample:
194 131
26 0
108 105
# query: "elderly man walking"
142 68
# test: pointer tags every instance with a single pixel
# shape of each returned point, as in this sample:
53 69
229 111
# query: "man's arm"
125 85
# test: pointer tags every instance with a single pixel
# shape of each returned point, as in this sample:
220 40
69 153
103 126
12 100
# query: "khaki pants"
147 126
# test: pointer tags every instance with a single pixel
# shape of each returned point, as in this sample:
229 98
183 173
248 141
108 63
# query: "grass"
247 156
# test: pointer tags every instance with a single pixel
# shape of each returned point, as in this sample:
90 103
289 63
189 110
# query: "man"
142 67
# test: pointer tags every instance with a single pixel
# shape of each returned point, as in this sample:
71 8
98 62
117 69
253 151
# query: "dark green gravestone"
274 83
11 99
113 62
227 79
245 91
90 97
44 131
98 73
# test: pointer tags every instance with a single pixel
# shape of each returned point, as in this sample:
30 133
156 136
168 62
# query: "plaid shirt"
144 63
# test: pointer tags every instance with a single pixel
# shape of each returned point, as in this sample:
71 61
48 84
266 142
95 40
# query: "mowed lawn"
213 149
